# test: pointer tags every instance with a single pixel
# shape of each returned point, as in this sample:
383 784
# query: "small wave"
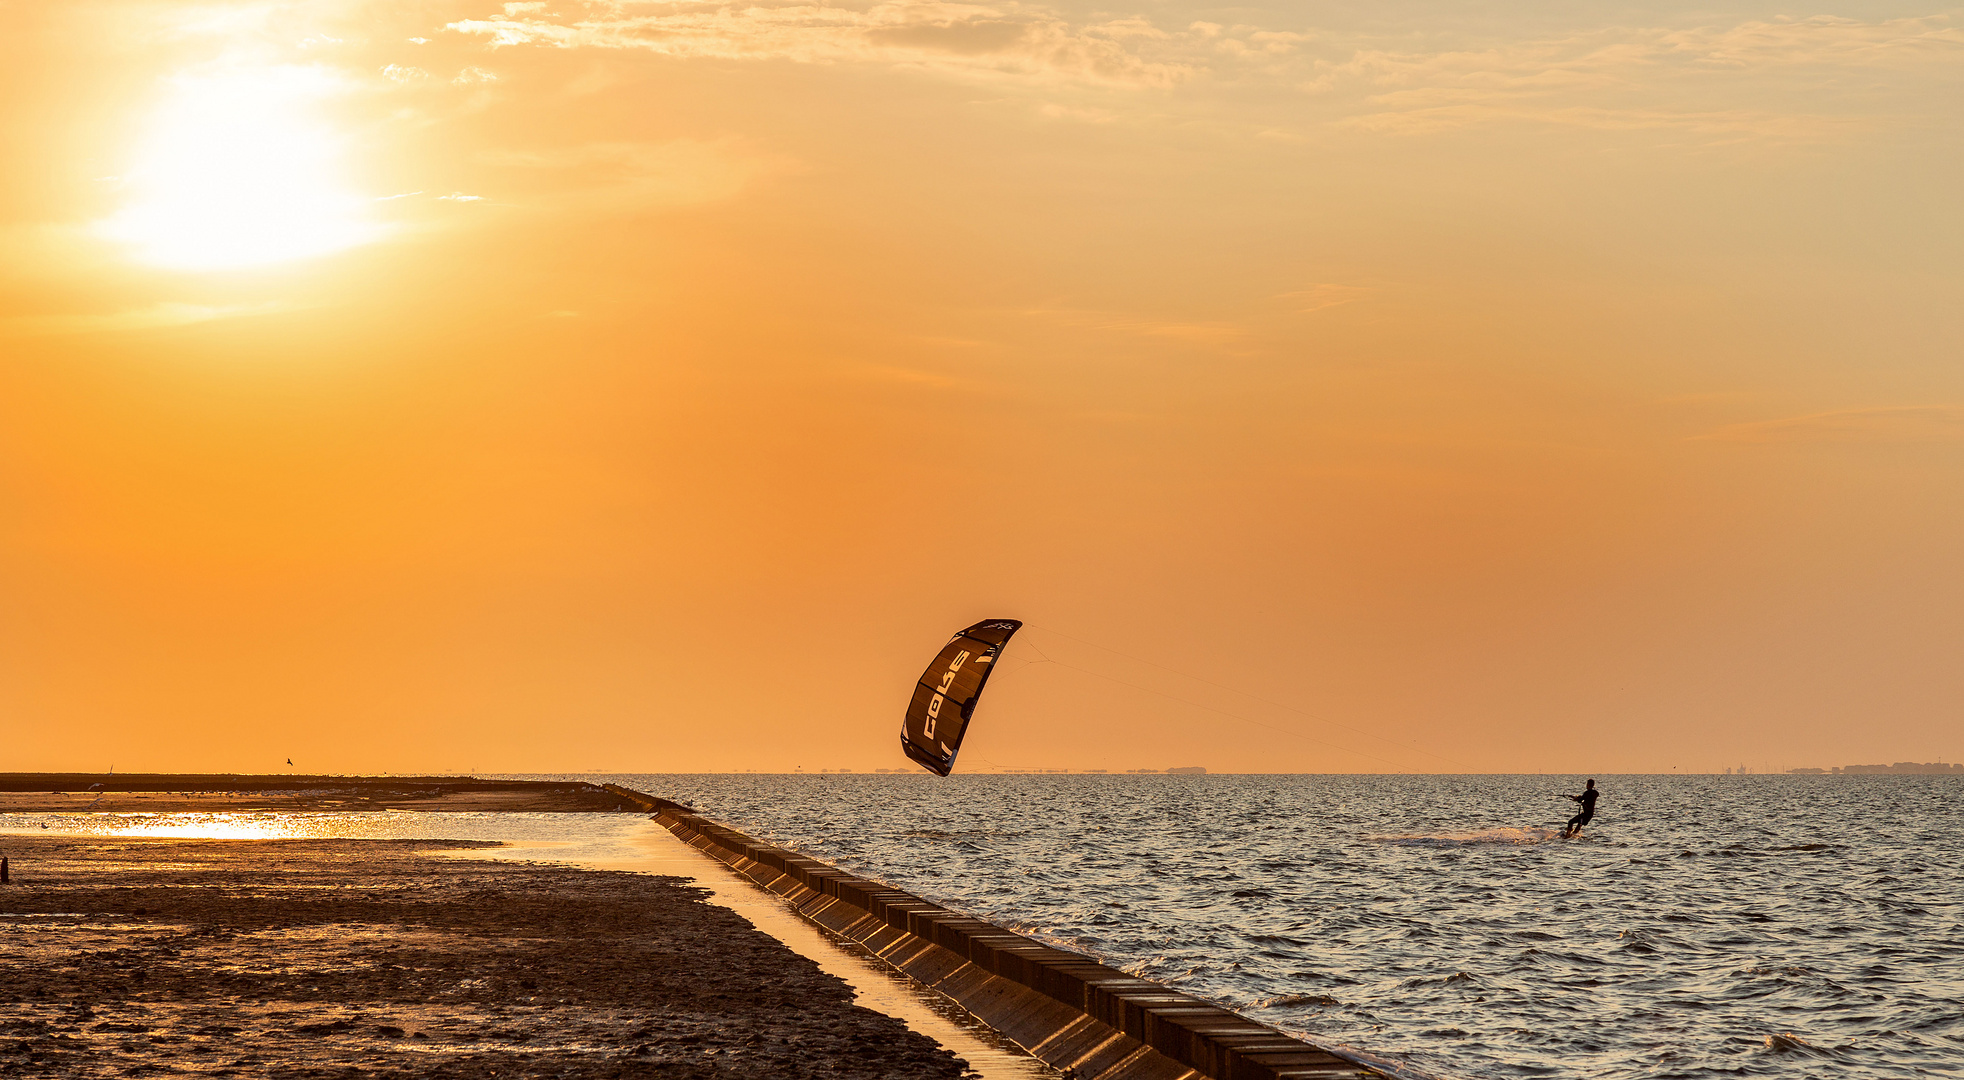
1789 1043
1282 1001
1456 978
1397 1070
956 834
1278 938
1504 835
1635 941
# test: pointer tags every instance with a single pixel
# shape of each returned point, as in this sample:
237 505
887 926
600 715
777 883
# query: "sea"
1701 926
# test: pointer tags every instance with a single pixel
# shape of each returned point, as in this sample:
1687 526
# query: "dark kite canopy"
944 699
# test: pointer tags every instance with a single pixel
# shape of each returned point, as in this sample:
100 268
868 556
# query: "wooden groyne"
1091 1021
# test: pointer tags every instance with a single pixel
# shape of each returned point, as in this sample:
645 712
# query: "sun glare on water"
238 169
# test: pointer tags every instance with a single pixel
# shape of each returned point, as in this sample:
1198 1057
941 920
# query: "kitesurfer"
1588 801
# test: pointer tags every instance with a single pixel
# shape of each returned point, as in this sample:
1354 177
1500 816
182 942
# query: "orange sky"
655 386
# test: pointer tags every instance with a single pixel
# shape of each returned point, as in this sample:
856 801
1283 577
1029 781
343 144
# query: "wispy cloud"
1889 424
1225 336
680 172
1716 80
154 317
907 376
954 37
1327 295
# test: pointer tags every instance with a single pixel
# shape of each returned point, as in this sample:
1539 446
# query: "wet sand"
319 958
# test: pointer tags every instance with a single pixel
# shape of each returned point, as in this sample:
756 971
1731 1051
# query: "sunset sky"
655 386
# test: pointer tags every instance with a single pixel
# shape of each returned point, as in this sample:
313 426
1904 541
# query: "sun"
240 169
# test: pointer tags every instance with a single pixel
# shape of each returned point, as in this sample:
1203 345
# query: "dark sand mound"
341 958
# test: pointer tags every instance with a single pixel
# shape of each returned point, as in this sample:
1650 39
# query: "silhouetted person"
1588 801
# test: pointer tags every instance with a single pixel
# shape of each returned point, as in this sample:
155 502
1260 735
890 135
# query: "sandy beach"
312 958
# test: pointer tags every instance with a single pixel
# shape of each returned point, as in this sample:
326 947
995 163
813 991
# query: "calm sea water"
1702 926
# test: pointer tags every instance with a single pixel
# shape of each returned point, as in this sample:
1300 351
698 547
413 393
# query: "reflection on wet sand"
379 957
320 858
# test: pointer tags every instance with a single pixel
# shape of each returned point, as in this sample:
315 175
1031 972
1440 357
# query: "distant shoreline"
176 793
1900 768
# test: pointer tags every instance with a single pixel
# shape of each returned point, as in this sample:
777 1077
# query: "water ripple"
1702 926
